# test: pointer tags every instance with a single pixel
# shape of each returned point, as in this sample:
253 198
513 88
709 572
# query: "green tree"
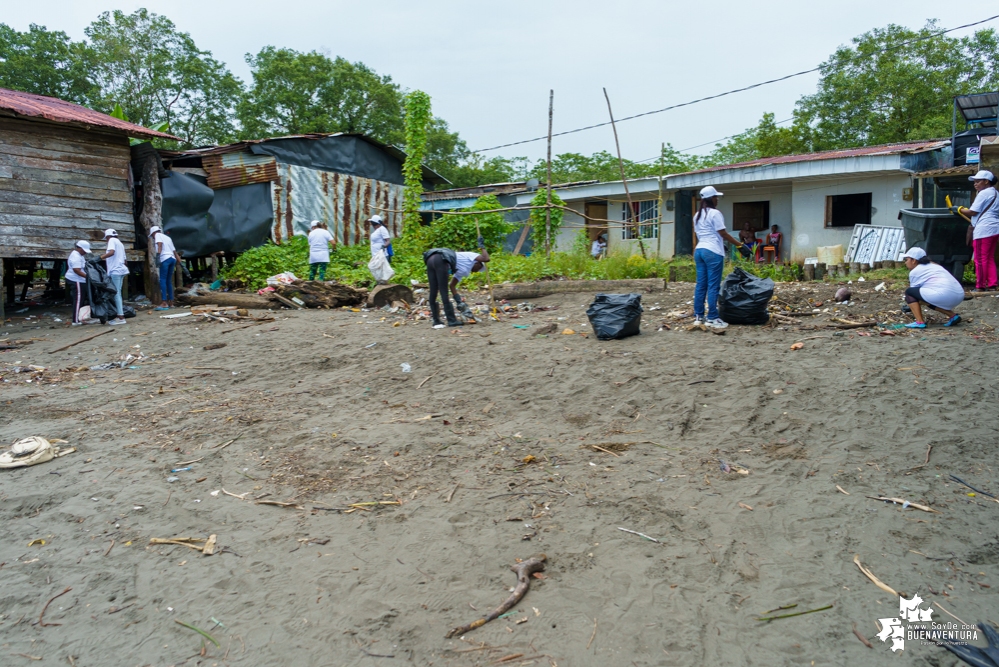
475 171
894 84
45 63
545 228
601 166
299 93
157 74
764 140
417 123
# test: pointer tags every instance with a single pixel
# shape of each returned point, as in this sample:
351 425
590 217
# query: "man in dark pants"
442 263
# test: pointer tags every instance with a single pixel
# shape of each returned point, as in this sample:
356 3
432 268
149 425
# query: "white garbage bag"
380 267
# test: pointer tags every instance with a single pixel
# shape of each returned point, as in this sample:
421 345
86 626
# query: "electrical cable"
732 92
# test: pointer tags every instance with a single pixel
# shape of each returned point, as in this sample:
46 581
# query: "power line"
707 143
730 92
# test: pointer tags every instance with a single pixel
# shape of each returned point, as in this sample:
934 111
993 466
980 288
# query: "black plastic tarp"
343 154
201 221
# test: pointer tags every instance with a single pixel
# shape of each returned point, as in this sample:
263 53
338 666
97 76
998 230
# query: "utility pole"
548 206
624 180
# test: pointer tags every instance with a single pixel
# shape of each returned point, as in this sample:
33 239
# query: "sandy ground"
324 416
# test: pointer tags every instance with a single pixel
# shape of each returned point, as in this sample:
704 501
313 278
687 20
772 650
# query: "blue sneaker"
952 321
916 325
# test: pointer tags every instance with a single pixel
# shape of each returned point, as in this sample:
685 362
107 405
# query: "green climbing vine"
417 121
538 220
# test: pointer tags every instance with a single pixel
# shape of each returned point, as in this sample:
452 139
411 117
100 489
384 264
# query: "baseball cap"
915 253
154 229
709 191
314 224
109 233
83 245
982 176
377 219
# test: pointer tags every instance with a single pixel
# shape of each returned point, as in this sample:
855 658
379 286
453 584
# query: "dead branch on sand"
524 570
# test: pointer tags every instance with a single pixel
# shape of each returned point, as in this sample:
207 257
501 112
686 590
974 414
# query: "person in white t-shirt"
167 255
983 235
380 238
709 258
115 259
933 285
76 279
598 247
320 242
442 262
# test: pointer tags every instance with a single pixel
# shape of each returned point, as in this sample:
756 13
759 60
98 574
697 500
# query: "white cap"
83 245
709 191
377 219
982 176
314 224
154 229
915 253
108 233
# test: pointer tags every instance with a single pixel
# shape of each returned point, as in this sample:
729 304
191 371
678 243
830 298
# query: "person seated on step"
933 285
775 238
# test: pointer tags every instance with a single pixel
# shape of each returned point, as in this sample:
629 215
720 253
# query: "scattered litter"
406 368
173 316
880 287
905 504
171 480
184 469
285 278
370 346
31 451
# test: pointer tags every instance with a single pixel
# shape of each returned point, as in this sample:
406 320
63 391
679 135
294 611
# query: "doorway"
597 211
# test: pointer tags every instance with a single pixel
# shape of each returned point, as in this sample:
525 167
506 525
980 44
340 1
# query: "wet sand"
323 417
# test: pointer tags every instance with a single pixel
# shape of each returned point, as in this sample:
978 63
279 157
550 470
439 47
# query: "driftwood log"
317 294
229 299
524 570
546 287
384 295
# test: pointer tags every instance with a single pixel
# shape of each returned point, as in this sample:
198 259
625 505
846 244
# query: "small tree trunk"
152 214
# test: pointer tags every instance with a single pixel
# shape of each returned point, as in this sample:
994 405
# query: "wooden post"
3 319
548 204
808 270
659 206
624 180
152 214
214 266
11 280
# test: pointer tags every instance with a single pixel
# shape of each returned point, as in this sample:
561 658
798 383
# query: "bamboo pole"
548 203
659 230
624 180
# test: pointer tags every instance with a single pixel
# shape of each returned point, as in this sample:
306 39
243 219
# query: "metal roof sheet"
29 105
232 169
949 171
978 107
863 151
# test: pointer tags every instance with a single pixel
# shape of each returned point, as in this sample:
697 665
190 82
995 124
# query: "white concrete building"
815 199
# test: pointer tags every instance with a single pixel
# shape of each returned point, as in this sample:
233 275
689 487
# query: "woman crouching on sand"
933 285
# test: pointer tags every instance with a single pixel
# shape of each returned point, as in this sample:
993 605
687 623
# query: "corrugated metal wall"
343 202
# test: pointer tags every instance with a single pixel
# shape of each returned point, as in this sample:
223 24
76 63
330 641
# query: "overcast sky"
488 66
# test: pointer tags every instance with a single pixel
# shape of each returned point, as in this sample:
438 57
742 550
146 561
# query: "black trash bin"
942 234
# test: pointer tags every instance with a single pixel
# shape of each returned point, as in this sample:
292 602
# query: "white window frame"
648 220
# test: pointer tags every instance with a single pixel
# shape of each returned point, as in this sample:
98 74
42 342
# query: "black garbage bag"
615 315
743 298
100 290
127 310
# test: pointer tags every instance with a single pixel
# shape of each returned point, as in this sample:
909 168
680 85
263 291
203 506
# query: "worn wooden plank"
73 139
61 221
124 217
16 197
120 160
11 233
69 178
122 194
19 162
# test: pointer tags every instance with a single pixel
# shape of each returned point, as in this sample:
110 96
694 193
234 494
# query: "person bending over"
933 285
442 263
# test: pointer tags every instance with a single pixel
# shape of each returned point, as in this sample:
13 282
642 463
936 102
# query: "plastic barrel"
942 234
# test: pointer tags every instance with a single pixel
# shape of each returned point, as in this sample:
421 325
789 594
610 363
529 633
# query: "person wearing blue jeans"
166 252
709 258
117 270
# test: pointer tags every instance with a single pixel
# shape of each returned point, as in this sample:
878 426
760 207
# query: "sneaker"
717 323
952 321
438 326
916 325
698 320
118 320
76 324
92 320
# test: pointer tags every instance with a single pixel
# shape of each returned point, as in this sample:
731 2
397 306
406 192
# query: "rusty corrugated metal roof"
949 171
229 170
884 149
29 105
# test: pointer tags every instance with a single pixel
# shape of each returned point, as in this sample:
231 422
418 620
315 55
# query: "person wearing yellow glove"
983 235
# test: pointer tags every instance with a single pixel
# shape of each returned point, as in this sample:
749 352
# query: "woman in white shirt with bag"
709 258
983 235
933 285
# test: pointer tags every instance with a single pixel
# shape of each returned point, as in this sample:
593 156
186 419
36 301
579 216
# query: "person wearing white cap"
709 258
983 235
77 277
320 242
115 259
380 237
167 256
933 285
